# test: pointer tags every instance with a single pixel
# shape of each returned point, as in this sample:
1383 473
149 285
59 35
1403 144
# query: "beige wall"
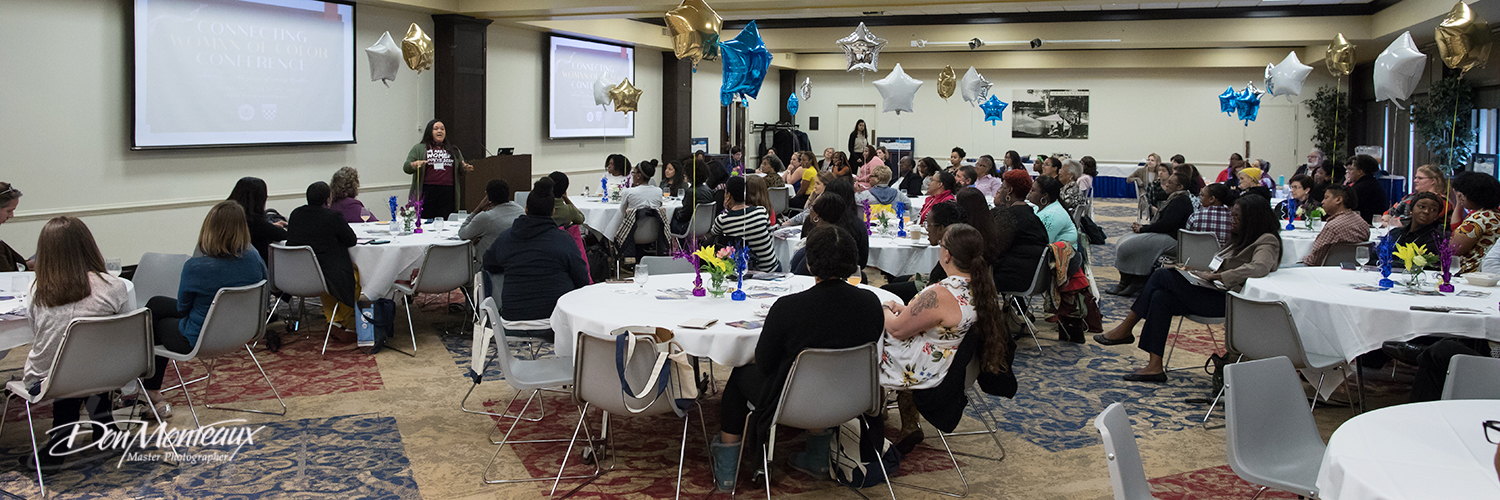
70 105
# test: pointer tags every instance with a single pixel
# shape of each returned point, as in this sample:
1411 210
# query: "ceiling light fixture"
975 43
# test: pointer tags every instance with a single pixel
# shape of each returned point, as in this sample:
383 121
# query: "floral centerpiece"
1313 216
1416 257
408 216
719 264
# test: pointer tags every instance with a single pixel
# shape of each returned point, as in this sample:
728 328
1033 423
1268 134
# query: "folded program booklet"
698 323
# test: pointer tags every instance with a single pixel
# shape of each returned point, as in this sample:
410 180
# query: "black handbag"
1093 231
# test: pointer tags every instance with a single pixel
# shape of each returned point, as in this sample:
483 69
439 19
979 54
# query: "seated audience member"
1146 174
853 221
1247 182
1423 226
1155 196
1044 195
673 178
71 283
494 215
941 189
1428 179
1195 179
770 165
1137 253
986 179
841 166
757 194
939 218
804 175
829 210
955 160
880 193
696 194
564 213
1077 188
908 179
1012 162
965 176
1017 264
227 260
250 192
1254 251
616 171
1236 162
1213 214
819 184
920 339
1315 159
1341 224
540 264
796 322
345 186
748 223
641 194
927 167
1372 199
10 260
1432 365
1302 189
323 229
1479 194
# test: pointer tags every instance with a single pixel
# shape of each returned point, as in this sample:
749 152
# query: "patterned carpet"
388 426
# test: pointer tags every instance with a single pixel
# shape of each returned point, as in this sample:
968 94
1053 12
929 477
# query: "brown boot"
911 429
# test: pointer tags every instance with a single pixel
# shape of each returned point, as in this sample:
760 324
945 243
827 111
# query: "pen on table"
1186 262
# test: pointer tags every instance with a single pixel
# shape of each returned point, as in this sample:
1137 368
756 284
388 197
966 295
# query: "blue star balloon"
791 104
746 61
1227 99
994 110
1247 104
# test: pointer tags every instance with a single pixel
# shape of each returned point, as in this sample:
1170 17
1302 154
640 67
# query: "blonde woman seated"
921 339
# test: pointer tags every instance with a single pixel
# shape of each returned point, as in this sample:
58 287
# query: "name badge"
1214 264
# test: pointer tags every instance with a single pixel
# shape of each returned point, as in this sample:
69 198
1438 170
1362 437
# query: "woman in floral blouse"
1480 195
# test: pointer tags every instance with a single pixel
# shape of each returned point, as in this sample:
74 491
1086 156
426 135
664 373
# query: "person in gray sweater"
495 214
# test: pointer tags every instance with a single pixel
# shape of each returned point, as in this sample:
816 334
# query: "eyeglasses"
1492 431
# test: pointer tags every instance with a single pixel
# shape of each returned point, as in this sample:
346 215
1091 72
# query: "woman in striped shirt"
748 223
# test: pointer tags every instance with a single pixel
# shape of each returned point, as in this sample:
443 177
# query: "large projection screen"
573 67
213 73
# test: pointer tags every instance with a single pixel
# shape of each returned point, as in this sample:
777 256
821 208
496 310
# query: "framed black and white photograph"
1050 114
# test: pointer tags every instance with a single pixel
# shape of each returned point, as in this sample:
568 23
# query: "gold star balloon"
416 48
695 31
947 82
1340 56
1463 39
625 96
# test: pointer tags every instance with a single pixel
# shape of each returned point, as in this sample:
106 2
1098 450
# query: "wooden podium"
513 169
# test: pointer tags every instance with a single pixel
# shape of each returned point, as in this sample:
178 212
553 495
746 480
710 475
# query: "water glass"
437 223
113 267
642 273
1362 255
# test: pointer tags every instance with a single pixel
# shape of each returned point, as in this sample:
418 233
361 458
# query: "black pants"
437 201
903 287
746 384
1432 368
165 319
1168 294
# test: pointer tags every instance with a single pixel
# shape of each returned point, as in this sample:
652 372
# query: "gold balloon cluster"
416 48
1463 39
695 31
947 82
1340 56
625 96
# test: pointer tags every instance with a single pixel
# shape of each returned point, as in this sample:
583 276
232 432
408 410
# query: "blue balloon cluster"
746 62
1243 104
791 104
994 110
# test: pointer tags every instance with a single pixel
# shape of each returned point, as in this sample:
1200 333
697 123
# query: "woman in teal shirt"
1044 194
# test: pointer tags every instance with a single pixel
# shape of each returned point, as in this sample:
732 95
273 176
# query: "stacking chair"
703 222
1339 253
295 271
483 333
780 196
1259 329
646 231
991 424
158 274
824 389
1019 299
597 385
538 375
1272 442
445 266
1204 320
233 321
667 265
521 197
1196 246
96 355
1126 474
1472 377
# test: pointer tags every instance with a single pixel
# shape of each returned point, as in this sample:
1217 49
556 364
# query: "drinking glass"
365 215
642 273
1362 255
855 279
437 223
113 267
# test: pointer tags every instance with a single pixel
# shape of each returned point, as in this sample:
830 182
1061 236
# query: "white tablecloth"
600 308
898 256
381 265
16 331
1297 243
1433 450
1337 320
606 217
1117 169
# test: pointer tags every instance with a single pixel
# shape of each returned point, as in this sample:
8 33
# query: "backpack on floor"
854 451
376 323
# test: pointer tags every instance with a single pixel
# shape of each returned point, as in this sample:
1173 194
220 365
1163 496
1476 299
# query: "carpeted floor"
389 426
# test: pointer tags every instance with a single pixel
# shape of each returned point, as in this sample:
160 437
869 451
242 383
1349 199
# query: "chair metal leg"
329 335
682 454
263 376
1317 392
506 440
407 302
5 411
1030 327
960 471
517 416
35 456
187 393
887 475
1257 493
589 436
993 431
1214 404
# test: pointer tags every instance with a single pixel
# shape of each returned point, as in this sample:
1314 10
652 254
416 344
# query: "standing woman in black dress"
435 164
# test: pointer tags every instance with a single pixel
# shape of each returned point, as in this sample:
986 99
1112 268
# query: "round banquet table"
602 307
381 265
1435 450
1297 243
1335 319
15 330
898 256
606 217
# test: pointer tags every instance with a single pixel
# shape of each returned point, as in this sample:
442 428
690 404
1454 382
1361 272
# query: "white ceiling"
1021 7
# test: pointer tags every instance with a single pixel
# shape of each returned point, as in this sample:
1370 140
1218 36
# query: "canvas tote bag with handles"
672 374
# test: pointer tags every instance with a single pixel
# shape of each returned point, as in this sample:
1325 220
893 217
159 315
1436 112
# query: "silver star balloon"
385 59
897 90
1398 70
1285 78
974 87
862 49
805 89
601 91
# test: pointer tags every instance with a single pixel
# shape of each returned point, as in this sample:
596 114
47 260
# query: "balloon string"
1338 94
1452 133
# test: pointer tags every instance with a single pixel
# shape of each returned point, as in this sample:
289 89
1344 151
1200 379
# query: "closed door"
850 114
